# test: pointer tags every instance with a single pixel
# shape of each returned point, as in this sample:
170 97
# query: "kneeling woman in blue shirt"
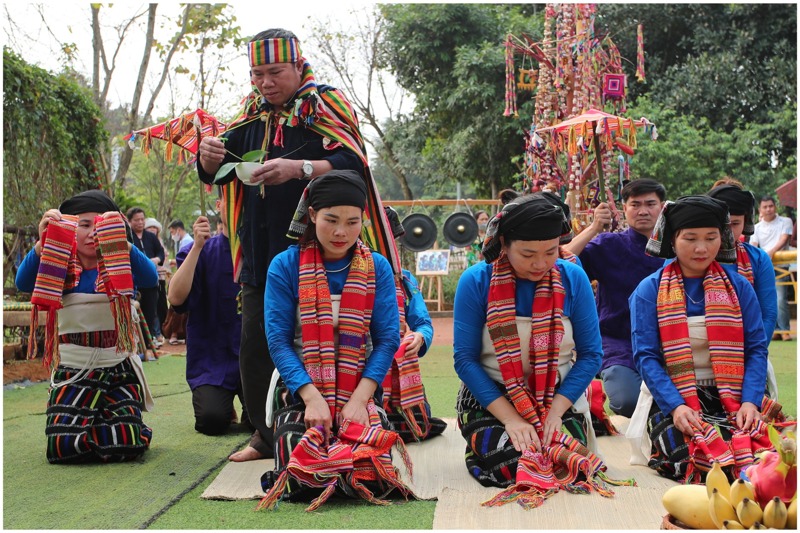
520 319
332 321
699 345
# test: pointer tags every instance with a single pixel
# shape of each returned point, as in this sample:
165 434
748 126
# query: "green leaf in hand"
254 155
223 171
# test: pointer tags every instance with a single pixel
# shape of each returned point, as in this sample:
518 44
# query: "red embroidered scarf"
56 266
357 454
531 398
726 348
539 475
743 262
114 276
402 388
335 373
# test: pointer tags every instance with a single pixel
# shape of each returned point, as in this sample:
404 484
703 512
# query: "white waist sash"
87 313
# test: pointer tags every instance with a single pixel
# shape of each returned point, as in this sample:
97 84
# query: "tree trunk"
133 118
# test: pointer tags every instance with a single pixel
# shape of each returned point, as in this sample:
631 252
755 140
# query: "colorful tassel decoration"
640 54
511 84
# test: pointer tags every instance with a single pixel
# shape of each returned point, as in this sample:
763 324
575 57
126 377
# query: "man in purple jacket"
203 286
618 263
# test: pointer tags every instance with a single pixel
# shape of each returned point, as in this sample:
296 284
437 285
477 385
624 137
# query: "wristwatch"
308 169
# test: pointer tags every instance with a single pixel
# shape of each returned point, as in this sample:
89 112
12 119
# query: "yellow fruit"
749 512
689 504
741 489
791 515
719 509
732 524
775 513
758 525
716 479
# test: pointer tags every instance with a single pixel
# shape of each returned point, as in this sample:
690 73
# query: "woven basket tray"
669 523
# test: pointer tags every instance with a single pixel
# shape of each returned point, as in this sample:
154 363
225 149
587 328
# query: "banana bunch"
734 506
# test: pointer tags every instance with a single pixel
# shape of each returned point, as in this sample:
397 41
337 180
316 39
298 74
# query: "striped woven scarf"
726 348
566 255
533 398
330 115
335 373
114 276
357 454
743 264
539 475
57 263
402 388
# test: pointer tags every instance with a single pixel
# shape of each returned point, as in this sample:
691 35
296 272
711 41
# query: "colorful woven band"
59 247
271 51
335 369
114 276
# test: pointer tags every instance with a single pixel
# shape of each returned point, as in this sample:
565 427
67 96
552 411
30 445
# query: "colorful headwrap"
271 51
691 212
739 202
527 218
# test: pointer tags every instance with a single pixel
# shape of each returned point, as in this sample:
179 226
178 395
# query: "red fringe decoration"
121 309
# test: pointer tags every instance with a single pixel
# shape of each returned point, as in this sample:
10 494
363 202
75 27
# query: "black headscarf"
692 212
739 202
337 187
93 201
527 218
556 200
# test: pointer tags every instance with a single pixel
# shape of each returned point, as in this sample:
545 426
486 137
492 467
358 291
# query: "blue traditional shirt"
763 283
417 317
281 299
646 339
469 320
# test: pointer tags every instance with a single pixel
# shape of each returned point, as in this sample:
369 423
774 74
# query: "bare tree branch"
361 78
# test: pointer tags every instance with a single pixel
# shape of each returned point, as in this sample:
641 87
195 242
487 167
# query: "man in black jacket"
148 243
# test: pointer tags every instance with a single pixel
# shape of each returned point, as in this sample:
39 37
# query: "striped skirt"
97 418
490 456
398 424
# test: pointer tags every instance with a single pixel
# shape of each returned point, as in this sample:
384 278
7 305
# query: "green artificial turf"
783 355
162 490
192 512
37 495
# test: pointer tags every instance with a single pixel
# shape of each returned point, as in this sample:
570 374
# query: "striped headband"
273 51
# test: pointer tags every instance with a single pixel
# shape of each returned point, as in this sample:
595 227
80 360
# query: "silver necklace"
702 299
338 269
